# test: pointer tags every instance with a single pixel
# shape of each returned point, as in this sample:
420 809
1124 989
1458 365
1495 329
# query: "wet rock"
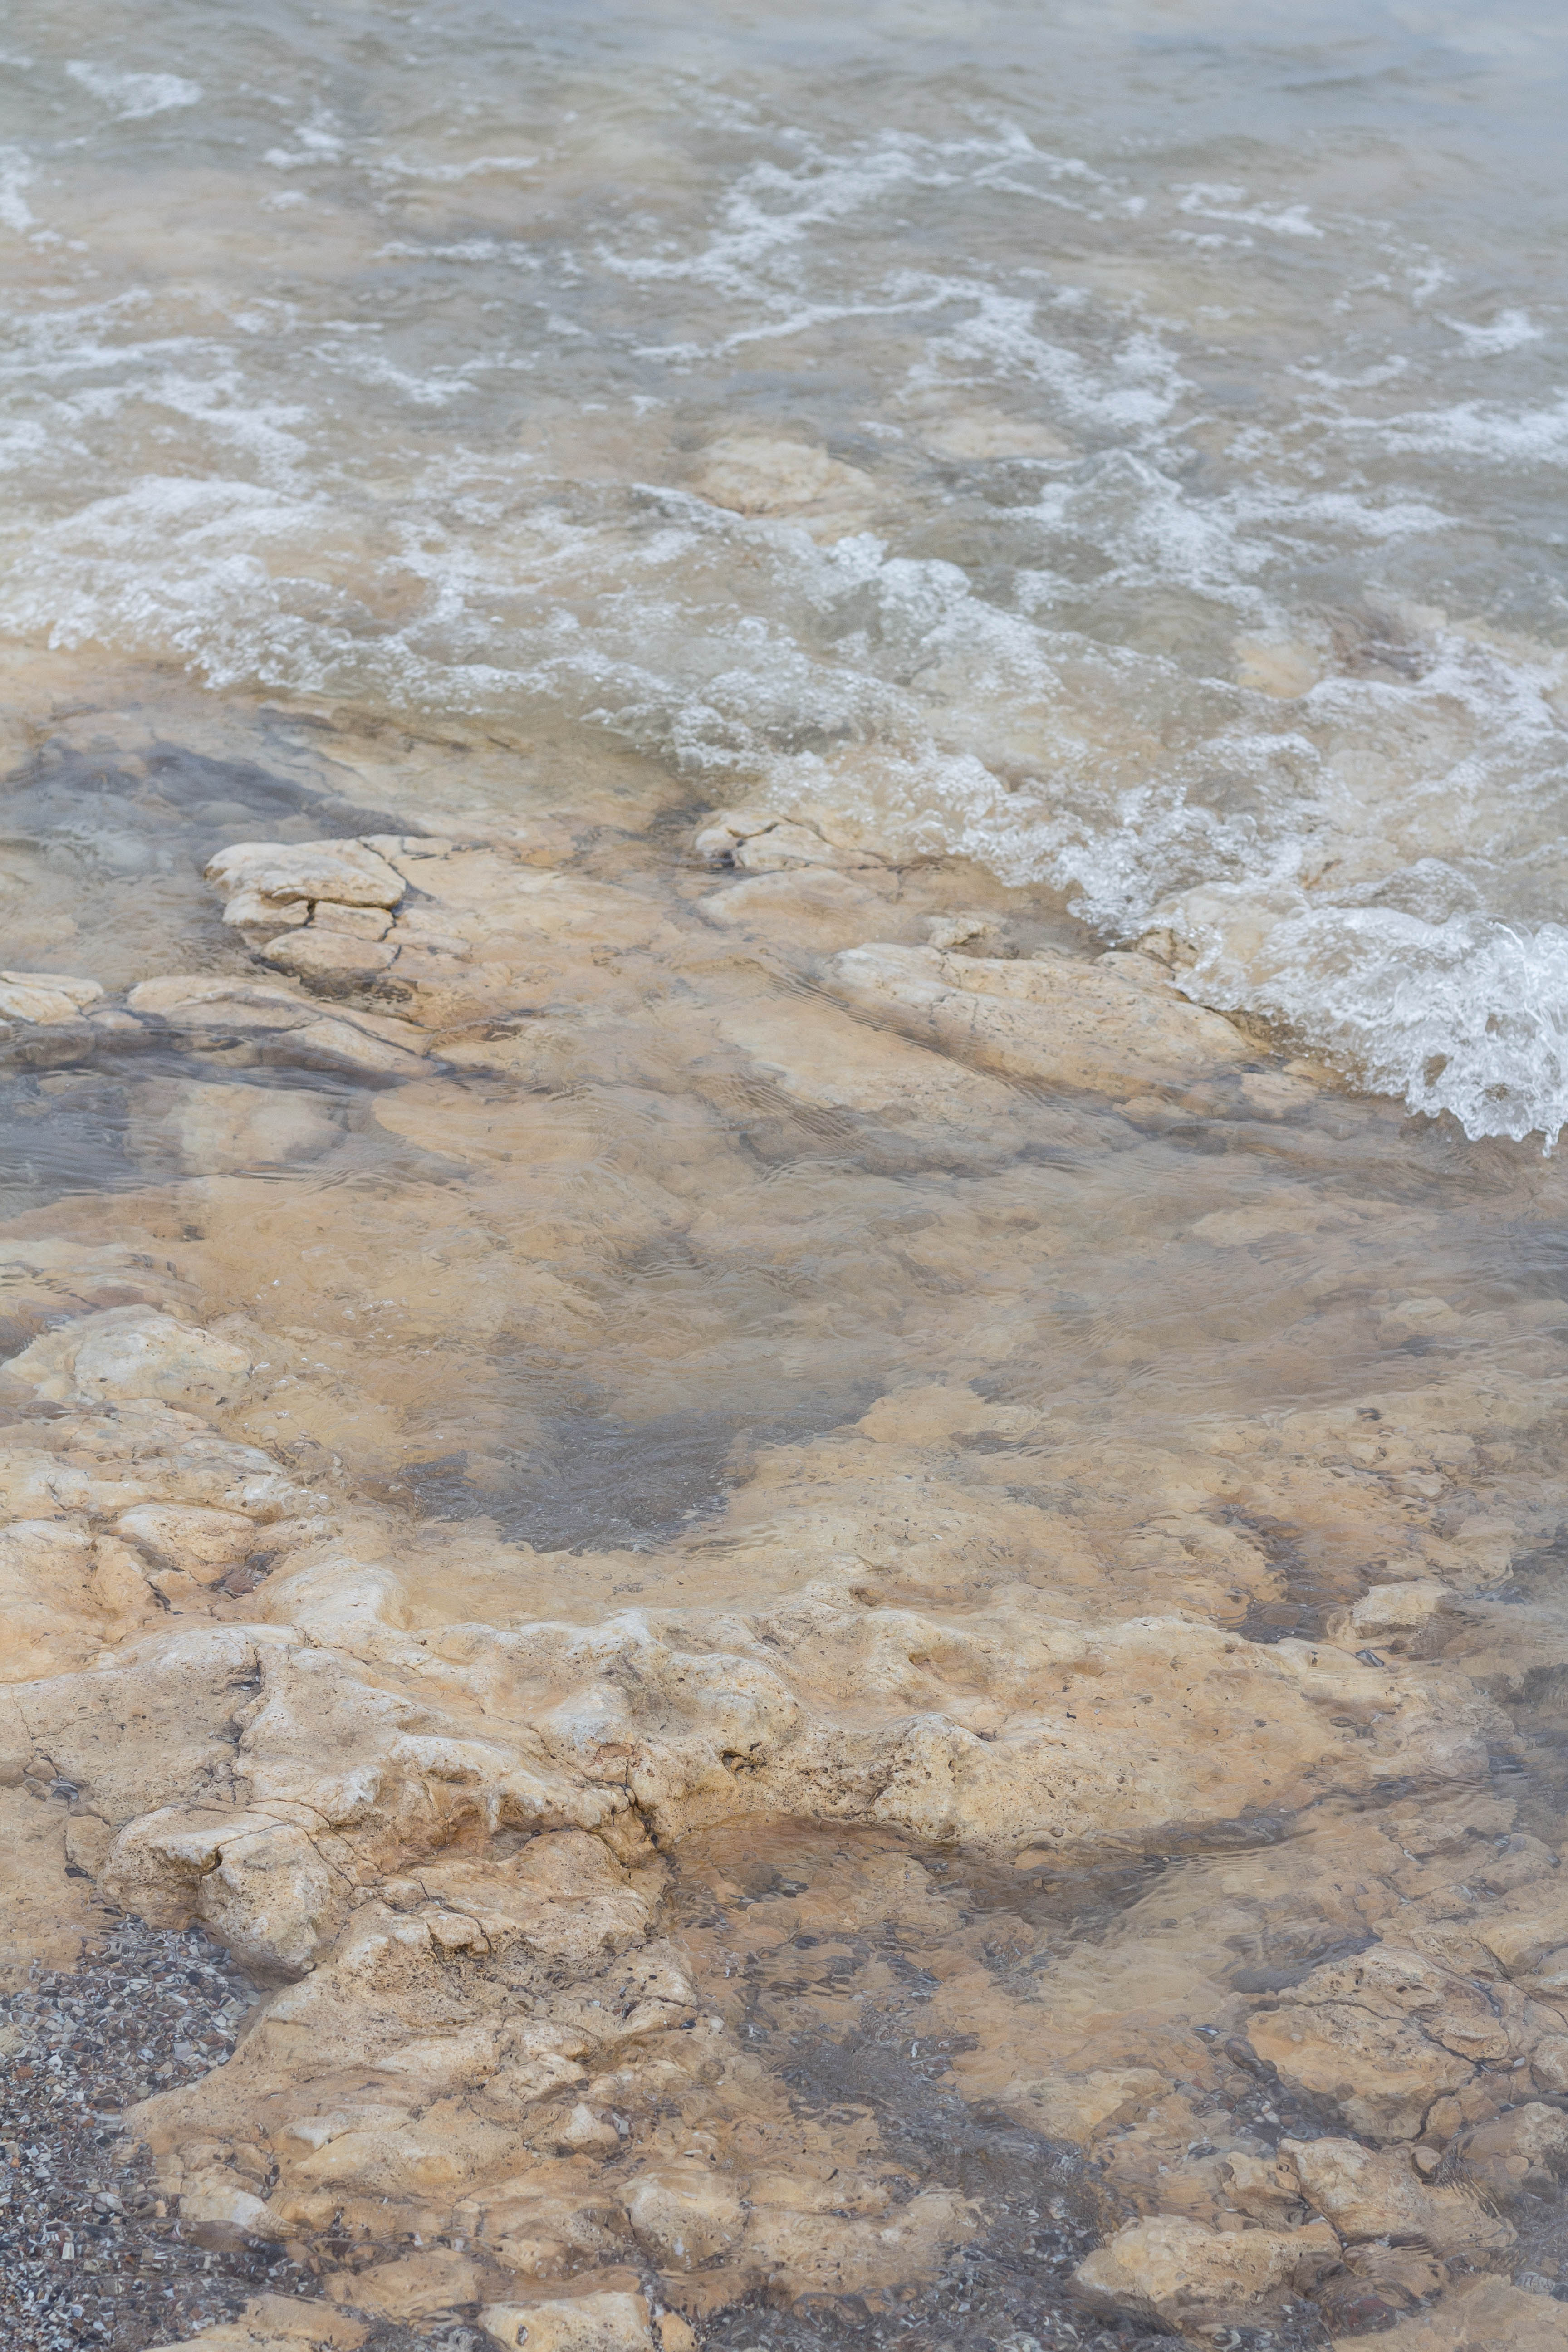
989 433
1525 2150
212 1129
1048 1018
291 872
818 1055
195 1005
131 1351
1186 2275
1376 2193
330 956
1484 2314
584 2323
45 998
687 2218
763 474
761 841
276 2323
1392 1615
814 906
434 2282
1382 2036
1528 1939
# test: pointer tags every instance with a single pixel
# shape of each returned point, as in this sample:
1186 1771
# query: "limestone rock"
248 911
1549 2062
1484 2314
810 905
48 1914
202 1543
212 1129
1376 2193
215 2210
353 922
818 1055
1391 1614
276 2322
46 1582
761 841
45 997
1382 2036
990 433
132 1351
343 871
581 2323
686 2218
1047 1018
1524 2150
1182 2273
292 1024
330 955
421 2286
1528 1938
261 1885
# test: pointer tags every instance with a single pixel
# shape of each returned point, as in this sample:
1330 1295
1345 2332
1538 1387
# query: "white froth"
134 95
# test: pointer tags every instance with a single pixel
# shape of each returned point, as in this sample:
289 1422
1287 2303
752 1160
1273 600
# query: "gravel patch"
89 2253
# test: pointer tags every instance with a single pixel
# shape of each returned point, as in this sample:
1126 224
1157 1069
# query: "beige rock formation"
1186 2276
1051 1020
1376 2193
45 997
701 1540
1485 2315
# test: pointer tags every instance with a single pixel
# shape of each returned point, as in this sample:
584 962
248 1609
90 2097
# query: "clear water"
1200 368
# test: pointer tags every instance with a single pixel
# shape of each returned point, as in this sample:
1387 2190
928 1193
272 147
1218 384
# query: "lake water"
1200 368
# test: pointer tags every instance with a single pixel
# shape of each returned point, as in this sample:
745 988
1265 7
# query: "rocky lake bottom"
745 1602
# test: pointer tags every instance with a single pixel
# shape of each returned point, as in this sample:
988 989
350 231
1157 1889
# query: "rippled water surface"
1198 372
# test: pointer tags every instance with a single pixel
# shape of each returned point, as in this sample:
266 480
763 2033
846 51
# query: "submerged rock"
45 997
1186 2276
1048 1019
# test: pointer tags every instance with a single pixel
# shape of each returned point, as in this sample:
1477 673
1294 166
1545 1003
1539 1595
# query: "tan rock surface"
1051 1020
686 1543
1186 2275
1484 2314
1376 2193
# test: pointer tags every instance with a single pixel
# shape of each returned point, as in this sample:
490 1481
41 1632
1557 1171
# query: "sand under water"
782 1332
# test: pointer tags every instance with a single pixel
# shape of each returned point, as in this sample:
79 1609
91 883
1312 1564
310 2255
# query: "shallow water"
1198 371
1097 473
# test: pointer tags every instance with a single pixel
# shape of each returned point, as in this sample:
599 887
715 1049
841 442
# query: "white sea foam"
134 95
